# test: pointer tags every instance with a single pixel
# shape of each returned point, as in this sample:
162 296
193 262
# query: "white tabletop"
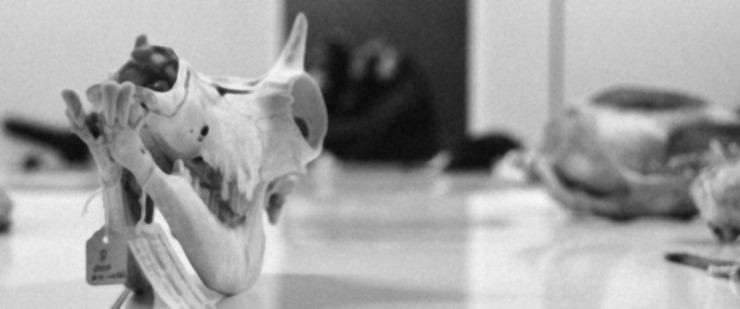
359 237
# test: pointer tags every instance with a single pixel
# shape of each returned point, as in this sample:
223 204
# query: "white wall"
46 46
507 66
686 44
691 45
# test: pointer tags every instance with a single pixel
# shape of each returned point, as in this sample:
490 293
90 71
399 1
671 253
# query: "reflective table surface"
382 237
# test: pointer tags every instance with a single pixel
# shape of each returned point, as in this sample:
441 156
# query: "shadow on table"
309 291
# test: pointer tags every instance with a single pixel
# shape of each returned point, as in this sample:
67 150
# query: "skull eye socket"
302 125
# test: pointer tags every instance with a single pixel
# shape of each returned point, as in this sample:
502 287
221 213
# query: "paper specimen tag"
165 271
107 257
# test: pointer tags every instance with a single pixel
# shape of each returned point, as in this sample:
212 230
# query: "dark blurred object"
435 33
480 153
385 113
718 268
69 147
330 68
6 208
31 163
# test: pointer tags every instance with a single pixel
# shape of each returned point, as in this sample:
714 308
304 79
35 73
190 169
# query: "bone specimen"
623 152
210 152
716 192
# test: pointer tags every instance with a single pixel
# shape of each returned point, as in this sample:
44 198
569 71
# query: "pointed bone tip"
300 25
295 47
301 19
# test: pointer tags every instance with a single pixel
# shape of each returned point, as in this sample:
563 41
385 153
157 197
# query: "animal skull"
626 152
209 151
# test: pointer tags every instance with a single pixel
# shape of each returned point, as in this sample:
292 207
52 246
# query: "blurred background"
436 80
485 62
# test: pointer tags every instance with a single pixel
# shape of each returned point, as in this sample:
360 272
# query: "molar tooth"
197 184
224 189
233 203
199 190
238 204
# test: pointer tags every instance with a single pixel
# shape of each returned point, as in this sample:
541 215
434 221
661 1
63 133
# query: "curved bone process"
211 153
